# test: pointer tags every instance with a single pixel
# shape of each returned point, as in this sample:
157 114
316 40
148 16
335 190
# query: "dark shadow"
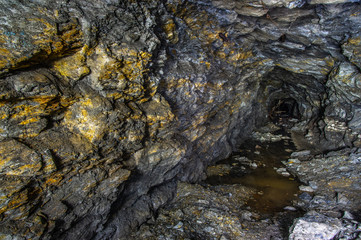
282 111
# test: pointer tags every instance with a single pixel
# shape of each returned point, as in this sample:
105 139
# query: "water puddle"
256 166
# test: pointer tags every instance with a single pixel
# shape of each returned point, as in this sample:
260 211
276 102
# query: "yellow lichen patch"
196 20
18 159
176 83
122 74
73 67
208 64
221 54
319 65
87 118
341 183
7 58
49 163
31 107
352 49
11 186
4 51
158 114
355 14
29 120
354 41
18 204
330 62
53 180
236 56
44 41
115 95
3 115
53 43
204 28
134 64
27 114
15 202
19 170
170 30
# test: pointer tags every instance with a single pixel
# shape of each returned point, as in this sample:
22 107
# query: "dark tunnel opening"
290 100
284 111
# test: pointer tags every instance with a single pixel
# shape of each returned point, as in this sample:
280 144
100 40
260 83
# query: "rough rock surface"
105 105
335 174
212 212
315 226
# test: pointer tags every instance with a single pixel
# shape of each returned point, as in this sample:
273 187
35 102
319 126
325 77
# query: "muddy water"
274 191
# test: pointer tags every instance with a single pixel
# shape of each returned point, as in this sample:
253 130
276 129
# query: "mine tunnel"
284 110
288 98
180 119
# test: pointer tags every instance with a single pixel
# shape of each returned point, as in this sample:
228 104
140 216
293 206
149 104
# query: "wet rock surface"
237 201
106 105
318 226
218 212
334 175
258 165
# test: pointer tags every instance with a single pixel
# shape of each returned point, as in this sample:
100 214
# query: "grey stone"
306 188
301 154
290 208
315 226
305 196
347 215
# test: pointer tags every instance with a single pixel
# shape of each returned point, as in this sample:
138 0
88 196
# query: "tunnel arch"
283 110
288 98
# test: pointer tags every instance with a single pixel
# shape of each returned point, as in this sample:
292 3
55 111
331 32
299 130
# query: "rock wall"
106 104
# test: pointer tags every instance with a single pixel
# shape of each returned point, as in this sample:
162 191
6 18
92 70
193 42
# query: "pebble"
300 154
348 215
223 238
342 199
304 188
313 184
308 228
247 216
179 225
293 160
203 201
283 172
290 208
253 165
179 213
305 196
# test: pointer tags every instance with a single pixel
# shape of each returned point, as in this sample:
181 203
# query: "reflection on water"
274 191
